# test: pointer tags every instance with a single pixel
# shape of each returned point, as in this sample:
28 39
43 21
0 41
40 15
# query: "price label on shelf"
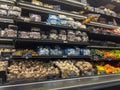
95 57
26 20
26 55
6 20
6 55
64 56
65 41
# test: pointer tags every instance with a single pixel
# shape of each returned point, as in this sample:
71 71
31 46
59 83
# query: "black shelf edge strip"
51 41
103 47
103 25
53 57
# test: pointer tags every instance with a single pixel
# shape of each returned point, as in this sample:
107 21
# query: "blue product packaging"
53 21
38 50
82 52
63 22
77 51
87 52
60 52
52 16
70 51
43 51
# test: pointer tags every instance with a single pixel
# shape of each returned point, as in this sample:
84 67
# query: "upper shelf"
7 1
103 25
71 2
30 6
90 8
48 25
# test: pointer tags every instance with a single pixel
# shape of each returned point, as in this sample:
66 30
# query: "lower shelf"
83 83
52 57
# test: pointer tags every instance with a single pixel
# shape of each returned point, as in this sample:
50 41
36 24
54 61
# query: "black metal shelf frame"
81 5
103 25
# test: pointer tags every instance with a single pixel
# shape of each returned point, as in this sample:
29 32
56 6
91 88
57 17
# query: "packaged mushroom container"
53 35
70 52
53 19
43 51
15 8
35 35
44 35
71 22
23 34
3 12
77 51
62 35
55 51
35 18
85 37
77 24
4 6
14 14
78 37
71 35
11 31
63 20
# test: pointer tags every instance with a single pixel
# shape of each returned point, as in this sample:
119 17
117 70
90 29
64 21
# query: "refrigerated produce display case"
59 44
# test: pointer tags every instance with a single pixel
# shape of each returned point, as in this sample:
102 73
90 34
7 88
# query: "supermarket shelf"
51 57
6 39
52 42
7 1
103 25
7 46
30 6
44 24
105 37
104 60
6 20
103 47
49 25
81 5
83 83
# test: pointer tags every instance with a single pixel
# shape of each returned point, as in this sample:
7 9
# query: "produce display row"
60 52
105 54
37 33
104 31
49 51
60 69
